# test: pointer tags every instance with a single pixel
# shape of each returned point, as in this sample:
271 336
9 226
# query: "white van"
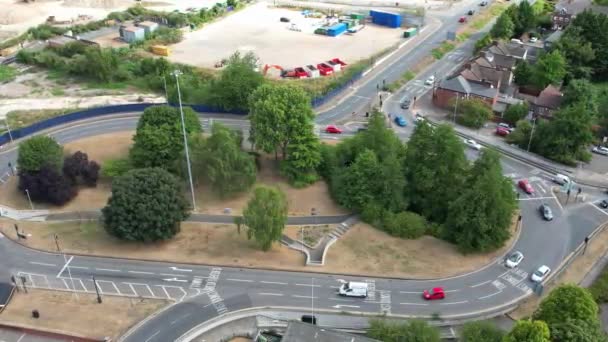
561 179
353 289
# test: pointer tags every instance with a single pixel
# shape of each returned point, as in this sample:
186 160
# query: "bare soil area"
59 312
257 29
312 234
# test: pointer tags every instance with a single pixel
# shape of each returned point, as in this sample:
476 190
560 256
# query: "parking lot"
258 28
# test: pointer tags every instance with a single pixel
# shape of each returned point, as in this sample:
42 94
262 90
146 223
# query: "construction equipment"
161 50
268 66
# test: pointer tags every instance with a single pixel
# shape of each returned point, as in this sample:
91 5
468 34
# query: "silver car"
514 259
600 150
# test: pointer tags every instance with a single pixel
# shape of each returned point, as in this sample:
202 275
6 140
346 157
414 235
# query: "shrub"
116 167
405 224
40 151
47 185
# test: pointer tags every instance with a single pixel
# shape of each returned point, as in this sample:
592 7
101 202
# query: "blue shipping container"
336 30
386 19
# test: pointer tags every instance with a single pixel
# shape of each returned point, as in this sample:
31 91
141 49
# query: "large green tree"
523 74
516 112
303 158
145 205
236 83
590 25
431 188
158 140
481 331
549 69
266 216
578 52
567 302
479 219
220 160
583 91
279 113
411 331
528 331
473 112
526 17
39 151
503 28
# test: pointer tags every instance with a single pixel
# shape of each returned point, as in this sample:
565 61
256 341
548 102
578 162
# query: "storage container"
336 30
410 32
388 19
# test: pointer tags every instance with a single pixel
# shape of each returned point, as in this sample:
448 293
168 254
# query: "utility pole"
165 86
531 134
29 198
456 108
96 290
10 135
177 73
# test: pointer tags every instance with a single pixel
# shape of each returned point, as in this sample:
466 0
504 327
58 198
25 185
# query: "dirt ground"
312 234
257 29
59 312
116 145
363 250
573 274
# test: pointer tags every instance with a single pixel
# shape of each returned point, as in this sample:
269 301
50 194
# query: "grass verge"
22 118
405 77
7 73
443 49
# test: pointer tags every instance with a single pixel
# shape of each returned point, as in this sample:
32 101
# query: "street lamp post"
456 108
176 73
165 86
8 128
531 134
27 192
65 260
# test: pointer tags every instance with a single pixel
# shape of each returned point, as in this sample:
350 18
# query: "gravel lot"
258 29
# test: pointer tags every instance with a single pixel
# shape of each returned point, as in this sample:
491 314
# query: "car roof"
543 268
437 289
524 181
517 253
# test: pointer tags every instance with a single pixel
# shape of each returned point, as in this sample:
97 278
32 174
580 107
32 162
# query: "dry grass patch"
312 234
82 316
574 274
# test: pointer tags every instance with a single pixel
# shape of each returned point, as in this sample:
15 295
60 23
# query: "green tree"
483 42
590 24
266 216
549 69
479 219
145 205
158 140
526 16
237 82
523 74
579 53
473 112
427 184
574 330
503 28
39 151
581 91
278 113
357 185
411 331
521 135
221 162
567 302
528 331
481 331
516 112
303 158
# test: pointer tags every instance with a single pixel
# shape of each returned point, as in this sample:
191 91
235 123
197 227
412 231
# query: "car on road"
560 179
483 3
284 20
472 144
430 80
405 104
471 12
332 129
400 121
604 204
353 289
514 259
545 211
502 131
462 20
434 293
525 186
540 274
419 117
600 150
506 126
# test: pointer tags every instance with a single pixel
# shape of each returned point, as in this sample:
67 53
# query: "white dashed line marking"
309 297
453 303
490 295
308 285
140 272
241 280
42 264
272 282
420 304
270 294
107 270
480 284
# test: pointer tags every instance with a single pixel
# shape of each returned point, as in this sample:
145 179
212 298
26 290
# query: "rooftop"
461 85
550 97
304 332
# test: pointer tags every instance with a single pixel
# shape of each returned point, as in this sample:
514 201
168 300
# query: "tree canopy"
503 28
481 331
39 151
411 331
472 112
528 331
265 216
550 68
145 205
237 82
516 112
567 302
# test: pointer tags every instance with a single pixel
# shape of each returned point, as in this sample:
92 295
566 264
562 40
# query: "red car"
502 131
435 293
525 186
462 20
333 129
300 72
325 69
339 61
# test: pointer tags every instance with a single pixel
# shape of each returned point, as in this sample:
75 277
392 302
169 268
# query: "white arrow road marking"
175 279
338 306
180 269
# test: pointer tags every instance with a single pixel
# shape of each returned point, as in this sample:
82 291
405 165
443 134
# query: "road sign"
451 35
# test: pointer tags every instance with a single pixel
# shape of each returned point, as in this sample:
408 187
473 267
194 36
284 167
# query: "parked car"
483 3
419 117
462 20
430 80
434 293
405 104
506 126
471 12
284 20
600 150
353 289
325 69
400 121
514 259
546 212
560 179
502 131
540 274
339 61
472 144
333 129
525 186
604 204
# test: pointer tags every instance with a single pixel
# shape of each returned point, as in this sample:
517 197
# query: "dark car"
546 212
483 3
405 104
471 12
604 204
285 20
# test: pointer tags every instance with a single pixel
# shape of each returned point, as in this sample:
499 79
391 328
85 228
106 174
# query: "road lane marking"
272 282
421 304
542 189
153 335
42 264
537 198
453 303
480 284
171 275
416 292
270 294
241 280
343 299
21 337
451 291
180 269
598 209
64 266
108 270
179 319
298 296
310 285
80 267
140 272
490 295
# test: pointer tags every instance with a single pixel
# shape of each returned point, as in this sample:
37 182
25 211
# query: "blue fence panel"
318 101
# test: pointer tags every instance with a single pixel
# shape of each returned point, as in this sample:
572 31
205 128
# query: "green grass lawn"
21 118
7 73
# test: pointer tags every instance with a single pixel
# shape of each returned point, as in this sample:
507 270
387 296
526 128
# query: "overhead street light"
177 73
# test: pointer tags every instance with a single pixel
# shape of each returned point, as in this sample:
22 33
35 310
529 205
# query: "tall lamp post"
165 86
531 133
8 128
177 73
